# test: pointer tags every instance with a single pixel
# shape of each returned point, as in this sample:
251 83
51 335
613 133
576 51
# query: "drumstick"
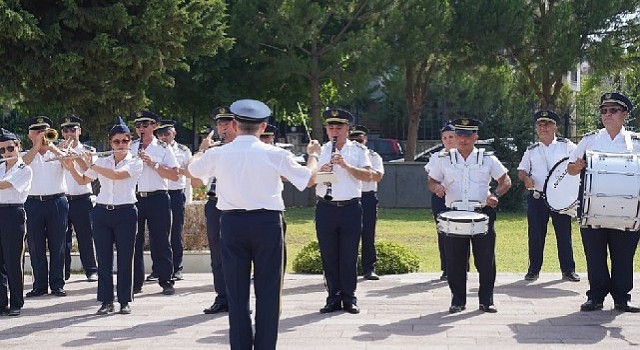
304 123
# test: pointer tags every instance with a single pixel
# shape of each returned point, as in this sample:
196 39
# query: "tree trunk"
414 97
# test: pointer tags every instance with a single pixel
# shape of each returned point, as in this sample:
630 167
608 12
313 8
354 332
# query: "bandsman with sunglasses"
613 138
80 203
166 132
115 216
154 207
15 181
47 209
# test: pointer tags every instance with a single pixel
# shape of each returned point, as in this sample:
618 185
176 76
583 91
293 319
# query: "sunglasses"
612 110
3 150
163 133
120 141
142 125
69 129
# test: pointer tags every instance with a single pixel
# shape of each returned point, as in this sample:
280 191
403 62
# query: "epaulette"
443 153
358 144
182 147
591 133
562 139
22 166
89 148
489 153
635 136
163 144
533 146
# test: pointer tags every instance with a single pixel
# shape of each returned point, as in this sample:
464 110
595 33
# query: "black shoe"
14 311
530 276
331 307
167 289
443 277
351 308
36 293
137 290
178 275
626 307
571 276
92 277
456 308
216 309
371 276
488 308
106 308
153 277
60 292
125 309
591 305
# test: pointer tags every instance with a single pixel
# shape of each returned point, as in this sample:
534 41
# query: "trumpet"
78 155
50 135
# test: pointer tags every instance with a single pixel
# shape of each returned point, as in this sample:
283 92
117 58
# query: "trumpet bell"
50 135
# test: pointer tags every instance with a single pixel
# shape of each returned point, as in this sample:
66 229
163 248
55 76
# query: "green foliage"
392 259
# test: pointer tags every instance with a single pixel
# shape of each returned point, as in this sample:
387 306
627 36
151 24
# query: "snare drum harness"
466 176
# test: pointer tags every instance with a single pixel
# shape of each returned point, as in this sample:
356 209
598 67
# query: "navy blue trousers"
178 201
437 207
115 227
338 231
253 237
212 214
484 258
621 248
369 218
538 216
155 212
46 228
80 222
12 233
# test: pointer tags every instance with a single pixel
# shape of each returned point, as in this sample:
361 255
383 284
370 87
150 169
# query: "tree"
98 58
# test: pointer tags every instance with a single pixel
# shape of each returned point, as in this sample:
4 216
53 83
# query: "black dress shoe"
3 310
351 308
106 308
626 307
530 276
125 309
36 293
167 289
488 308
456 308
571 276
14 311
331 307
153 277
59 292
92 277
371 276
443 277
216 309
137 290
591 305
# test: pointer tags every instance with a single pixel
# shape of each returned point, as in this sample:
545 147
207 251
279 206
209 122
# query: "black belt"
11 205
369 192
114 207
150 194
46 197
72 197
250 211
339 203
174 191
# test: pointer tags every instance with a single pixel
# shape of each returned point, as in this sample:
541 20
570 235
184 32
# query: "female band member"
115 216
15 181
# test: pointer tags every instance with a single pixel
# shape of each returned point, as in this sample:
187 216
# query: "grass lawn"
415 229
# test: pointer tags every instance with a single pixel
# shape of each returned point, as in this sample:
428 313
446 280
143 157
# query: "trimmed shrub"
392 259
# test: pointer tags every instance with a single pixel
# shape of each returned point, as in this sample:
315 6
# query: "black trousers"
253 237
483 247
437 207
621 246
80 223
12 234
538 216
178 201
369 218
212 215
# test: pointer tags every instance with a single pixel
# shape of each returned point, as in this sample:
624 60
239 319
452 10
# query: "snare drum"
561 189
611 191
462 223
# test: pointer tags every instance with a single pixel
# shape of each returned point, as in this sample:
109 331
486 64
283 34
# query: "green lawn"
415 229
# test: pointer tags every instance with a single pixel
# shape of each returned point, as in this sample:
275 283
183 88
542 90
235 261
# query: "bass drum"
561 189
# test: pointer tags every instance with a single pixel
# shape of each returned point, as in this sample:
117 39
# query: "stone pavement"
398 312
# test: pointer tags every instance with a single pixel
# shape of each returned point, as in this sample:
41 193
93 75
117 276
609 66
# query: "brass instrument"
78 155
329 195
50 135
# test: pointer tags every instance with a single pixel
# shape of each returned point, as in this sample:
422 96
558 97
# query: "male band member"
339 212
154 209
269 134
80 204
249 173
613 138
47 209
15 180
447 136
369 205
534 167
462 176
166 132
224 126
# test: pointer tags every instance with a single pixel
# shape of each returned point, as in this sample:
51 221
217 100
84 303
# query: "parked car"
388 149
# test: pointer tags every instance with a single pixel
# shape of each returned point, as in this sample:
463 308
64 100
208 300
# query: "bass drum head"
560 188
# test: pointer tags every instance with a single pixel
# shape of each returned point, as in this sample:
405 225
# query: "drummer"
536 163
614 138
462 176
